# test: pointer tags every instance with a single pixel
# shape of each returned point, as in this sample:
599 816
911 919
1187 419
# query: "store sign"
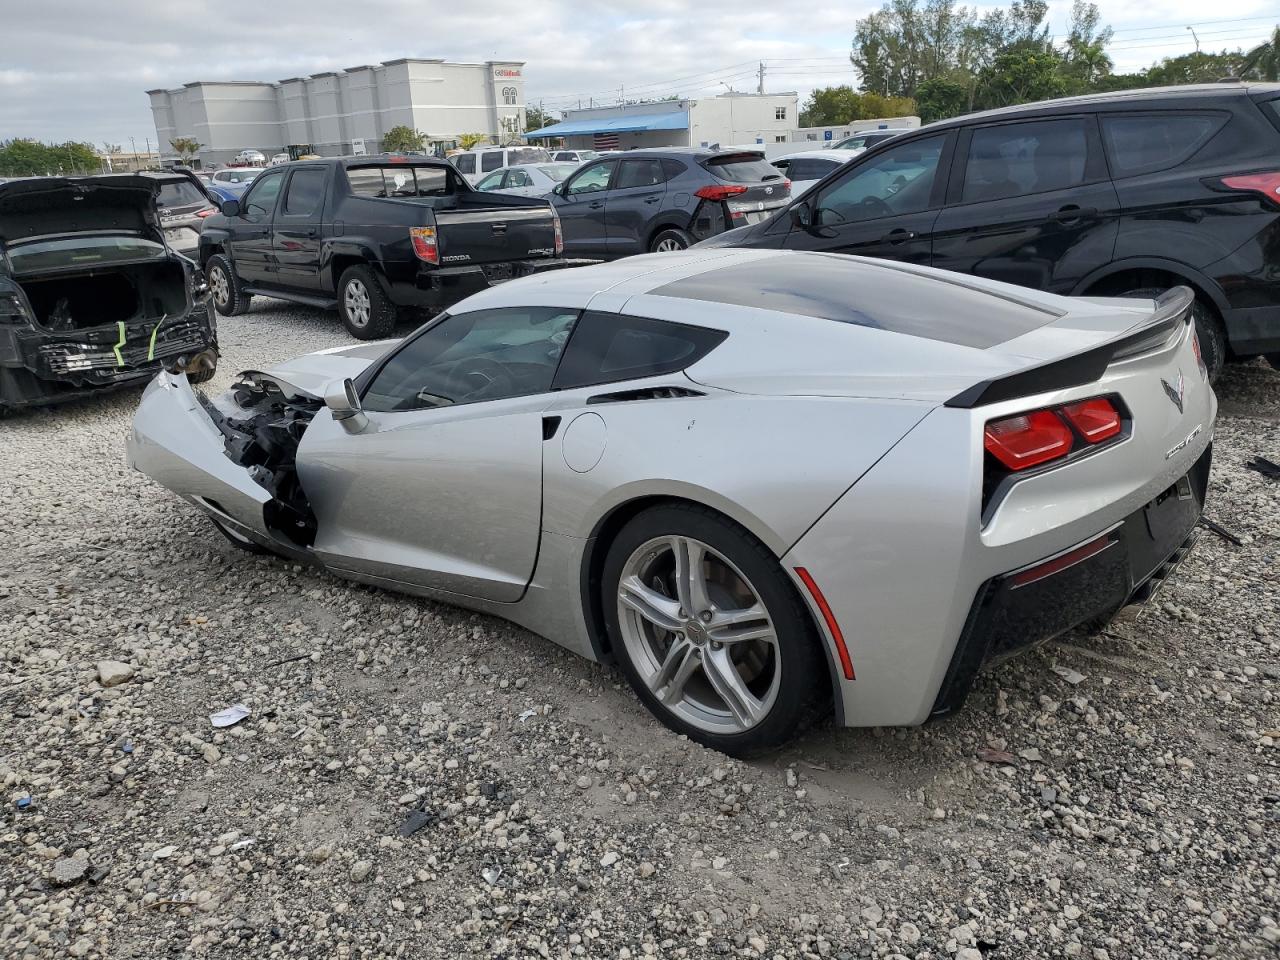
506 73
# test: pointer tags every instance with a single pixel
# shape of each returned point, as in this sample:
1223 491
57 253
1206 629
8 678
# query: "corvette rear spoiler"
1173 307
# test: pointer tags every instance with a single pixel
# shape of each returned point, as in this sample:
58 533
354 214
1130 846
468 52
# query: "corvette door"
440 485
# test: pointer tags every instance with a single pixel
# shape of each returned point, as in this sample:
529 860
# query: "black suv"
658 200
1107 195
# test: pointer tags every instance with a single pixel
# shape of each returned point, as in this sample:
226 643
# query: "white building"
343 112
730 118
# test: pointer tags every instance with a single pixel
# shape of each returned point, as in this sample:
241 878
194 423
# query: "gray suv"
653 201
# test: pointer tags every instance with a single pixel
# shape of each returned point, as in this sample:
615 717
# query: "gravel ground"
1128 805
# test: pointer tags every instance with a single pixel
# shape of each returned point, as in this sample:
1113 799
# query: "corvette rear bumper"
1124 564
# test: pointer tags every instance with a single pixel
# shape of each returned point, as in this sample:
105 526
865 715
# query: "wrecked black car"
92 297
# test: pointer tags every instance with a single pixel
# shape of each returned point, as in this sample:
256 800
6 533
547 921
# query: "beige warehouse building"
342 112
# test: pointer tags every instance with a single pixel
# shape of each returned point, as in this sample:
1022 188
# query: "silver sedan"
527 179
768 485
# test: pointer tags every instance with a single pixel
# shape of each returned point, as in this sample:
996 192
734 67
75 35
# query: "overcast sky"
74 69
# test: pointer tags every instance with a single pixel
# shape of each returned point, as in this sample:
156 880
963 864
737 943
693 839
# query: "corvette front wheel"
710 633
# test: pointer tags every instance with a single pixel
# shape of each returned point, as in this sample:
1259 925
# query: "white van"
478 161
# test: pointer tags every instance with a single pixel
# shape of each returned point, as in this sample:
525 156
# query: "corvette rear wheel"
710 633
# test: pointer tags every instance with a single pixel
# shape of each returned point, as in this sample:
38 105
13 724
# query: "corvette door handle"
898 236
1071 212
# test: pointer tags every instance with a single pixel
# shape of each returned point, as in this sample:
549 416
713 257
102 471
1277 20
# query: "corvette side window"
471 357
608 348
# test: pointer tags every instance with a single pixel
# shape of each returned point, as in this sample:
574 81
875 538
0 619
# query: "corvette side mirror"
344 405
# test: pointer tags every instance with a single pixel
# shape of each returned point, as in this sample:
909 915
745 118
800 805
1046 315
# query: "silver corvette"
766 484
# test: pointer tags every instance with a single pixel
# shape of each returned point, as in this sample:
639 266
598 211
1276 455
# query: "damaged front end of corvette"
234 457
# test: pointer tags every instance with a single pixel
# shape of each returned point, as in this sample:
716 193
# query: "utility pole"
760 85
622 95
1195 38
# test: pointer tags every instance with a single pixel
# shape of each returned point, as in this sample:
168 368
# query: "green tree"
831 106
535 118
186 147
1194 68
940 99
1086 56
1263 61
24 158
468 140
1021 75
907 42
402 139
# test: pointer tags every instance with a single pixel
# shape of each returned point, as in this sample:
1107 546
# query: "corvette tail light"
1195 348
1028 439
1096 419
424 244
1266 184
719 192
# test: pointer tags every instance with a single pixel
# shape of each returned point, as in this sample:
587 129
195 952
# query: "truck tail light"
1096 419
555 220
1267 184
719 193
1028 439
206 212
424 244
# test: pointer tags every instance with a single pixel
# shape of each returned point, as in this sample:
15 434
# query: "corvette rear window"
880 295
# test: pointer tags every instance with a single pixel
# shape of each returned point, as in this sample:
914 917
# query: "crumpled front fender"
175 443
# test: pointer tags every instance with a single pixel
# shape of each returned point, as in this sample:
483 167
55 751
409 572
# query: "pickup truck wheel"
367 312
229 296
669 241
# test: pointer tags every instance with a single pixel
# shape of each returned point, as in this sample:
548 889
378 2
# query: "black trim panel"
1173 307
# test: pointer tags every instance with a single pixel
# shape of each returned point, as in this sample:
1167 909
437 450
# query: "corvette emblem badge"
1174 394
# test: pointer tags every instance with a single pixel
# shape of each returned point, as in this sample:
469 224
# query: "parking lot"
414 780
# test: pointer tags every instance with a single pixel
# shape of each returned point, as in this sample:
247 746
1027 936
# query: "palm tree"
1264 59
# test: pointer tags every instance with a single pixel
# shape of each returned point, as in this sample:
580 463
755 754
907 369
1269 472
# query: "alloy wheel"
356 299
668 245
698 634
221 287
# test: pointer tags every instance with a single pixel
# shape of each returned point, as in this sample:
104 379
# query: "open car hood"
57 206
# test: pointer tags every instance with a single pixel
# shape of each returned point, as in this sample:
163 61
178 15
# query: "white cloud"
79 69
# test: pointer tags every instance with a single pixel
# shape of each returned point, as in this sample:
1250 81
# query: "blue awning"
630 123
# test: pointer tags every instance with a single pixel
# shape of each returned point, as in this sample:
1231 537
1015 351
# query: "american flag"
605 141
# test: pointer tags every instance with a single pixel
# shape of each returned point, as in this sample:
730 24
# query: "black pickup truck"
369 235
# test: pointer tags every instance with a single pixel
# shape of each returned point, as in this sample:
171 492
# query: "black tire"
237 541
358 288
229 296
1209 330
804 687
669 239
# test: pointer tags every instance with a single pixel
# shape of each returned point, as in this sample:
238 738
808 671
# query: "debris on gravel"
419 781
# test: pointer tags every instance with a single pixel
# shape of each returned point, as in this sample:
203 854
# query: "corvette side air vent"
645 393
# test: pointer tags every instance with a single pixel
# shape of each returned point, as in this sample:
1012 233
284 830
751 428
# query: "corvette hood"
307 375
